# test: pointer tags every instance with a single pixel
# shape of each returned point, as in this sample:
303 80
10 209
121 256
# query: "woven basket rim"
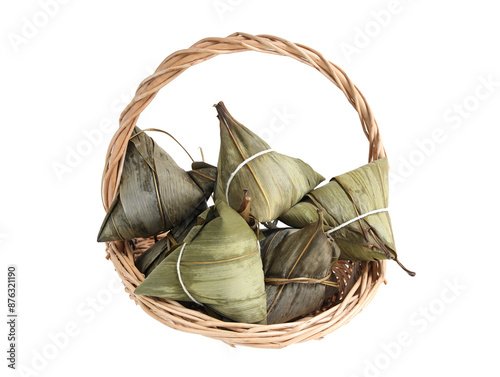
122 254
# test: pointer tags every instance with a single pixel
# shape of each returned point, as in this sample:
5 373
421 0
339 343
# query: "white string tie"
180 277
240 166
357 218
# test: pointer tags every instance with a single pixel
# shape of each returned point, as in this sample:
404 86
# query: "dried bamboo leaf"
273 237
275 181
205 176
345 198
181 231
155 194
153 256
297 270
220 267
116 215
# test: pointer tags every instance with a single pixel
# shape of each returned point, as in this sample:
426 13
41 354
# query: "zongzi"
155 194
355 213
275 181
297 268
218 265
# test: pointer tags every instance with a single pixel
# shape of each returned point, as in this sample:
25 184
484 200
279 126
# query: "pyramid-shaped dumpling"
219 266
274 181
155 194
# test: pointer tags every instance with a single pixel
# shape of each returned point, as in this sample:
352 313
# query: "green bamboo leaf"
220 267
275 181
346 197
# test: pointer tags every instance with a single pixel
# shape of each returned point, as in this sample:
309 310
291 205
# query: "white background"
68 70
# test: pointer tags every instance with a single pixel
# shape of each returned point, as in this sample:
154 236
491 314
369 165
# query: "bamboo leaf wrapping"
155 194
153 256
275 181
296 255
205 176
220 267
346 197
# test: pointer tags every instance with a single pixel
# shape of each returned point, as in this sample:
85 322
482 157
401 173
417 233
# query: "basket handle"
206 49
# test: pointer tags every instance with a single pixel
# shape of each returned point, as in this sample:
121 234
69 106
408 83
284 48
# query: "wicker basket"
359 281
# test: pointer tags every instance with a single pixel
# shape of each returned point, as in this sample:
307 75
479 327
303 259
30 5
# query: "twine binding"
356 219
233 174
179 276
302 280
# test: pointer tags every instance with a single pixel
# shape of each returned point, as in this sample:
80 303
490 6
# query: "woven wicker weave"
359 281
